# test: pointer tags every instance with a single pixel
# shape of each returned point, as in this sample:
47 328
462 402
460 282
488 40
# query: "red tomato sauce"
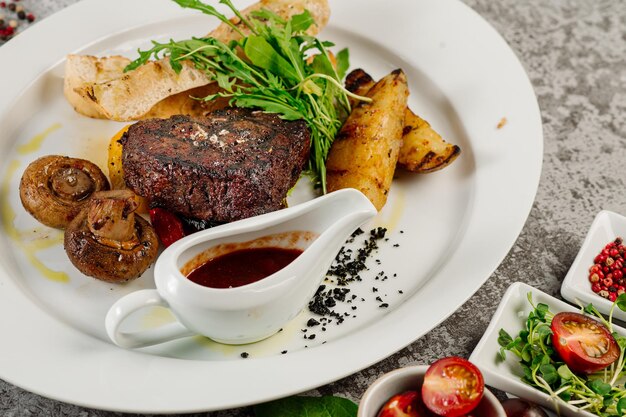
242 267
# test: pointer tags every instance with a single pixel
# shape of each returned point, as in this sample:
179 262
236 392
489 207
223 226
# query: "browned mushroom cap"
55 188
107 241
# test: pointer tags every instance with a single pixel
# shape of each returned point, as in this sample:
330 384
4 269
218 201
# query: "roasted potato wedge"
423 149
365 152
99 88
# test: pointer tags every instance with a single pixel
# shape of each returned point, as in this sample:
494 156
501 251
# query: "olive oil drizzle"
29 248
35 143
393 216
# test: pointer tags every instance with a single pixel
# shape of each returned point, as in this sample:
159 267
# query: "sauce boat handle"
131 303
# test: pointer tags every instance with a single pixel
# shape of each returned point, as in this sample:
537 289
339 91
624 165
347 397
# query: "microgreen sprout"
601 393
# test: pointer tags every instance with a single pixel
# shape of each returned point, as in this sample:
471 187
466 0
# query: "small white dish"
511 316
410 378
576 286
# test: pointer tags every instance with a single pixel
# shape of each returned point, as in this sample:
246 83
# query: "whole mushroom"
54 188
108 241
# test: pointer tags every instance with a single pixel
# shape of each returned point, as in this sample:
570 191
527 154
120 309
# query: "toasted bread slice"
127 96
99 88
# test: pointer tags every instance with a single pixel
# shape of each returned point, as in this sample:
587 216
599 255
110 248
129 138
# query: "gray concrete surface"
575 54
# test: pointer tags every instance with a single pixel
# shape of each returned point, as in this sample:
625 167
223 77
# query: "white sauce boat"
254 311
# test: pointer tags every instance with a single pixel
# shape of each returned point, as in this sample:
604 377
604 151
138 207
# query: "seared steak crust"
230 165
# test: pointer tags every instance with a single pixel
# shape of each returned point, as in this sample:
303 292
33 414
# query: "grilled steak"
231 164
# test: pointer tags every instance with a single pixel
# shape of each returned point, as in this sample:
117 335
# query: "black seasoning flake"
396 245
311 337
283 352
374 289
379 299
244 355
400 292
346 268
384 305
357 232
312 322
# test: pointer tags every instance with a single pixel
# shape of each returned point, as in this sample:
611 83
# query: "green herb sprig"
601 393
270 69
300 406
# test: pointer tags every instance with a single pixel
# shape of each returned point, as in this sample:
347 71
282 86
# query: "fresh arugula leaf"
307 407
301 22
621 406
263 55
343 62
204 8
268 105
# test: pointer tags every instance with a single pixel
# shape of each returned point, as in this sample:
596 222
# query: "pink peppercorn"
608 274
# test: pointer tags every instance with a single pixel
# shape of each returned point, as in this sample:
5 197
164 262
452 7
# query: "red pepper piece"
167 225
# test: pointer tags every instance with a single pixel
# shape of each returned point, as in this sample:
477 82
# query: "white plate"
576 286
511 316
458 224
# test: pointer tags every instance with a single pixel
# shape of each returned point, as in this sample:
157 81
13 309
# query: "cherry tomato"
407 404
583 343
167 225
452 387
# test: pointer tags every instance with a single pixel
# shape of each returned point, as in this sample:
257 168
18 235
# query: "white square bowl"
506 374
576 287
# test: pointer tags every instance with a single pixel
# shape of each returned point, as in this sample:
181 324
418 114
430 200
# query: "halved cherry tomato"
583 343
407 404
452 387
168 227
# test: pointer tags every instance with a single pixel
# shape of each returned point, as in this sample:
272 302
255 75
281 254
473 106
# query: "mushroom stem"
111 218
